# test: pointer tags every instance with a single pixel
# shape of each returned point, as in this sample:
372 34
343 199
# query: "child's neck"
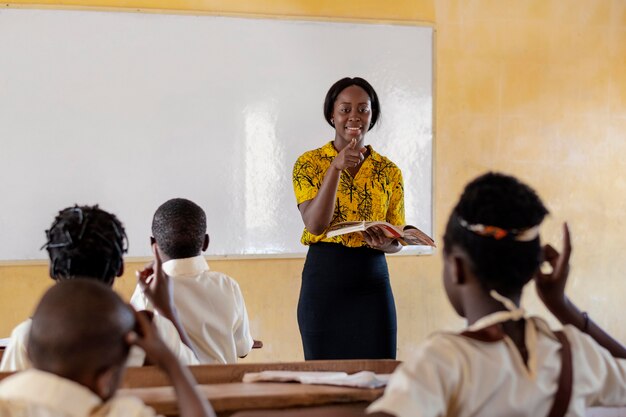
482 304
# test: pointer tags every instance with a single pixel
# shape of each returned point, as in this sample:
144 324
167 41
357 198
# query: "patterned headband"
497 233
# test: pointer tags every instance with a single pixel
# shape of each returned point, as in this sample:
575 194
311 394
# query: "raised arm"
317 213
158 288
551 290
190 403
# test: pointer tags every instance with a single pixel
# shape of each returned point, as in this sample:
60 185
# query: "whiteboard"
128 110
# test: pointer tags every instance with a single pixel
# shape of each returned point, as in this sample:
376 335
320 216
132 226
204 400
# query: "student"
87 242
504 363
209 303
79 349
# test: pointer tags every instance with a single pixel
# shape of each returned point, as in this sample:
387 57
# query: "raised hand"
156 285
146 337
551 286
190 403
349 157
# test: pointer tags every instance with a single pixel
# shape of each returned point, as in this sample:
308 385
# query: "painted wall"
536 88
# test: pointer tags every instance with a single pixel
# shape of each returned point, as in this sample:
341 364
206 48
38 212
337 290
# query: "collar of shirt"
50 391
186 266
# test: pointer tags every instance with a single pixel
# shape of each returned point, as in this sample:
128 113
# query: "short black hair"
339 86
86 242
79 328
500 200
179 227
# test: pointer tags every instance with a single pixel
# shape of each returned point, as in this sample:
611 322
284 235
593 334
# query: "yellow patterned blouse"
375 193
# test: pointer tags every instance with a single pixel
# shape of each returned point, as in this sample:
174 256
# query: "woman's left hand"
376 239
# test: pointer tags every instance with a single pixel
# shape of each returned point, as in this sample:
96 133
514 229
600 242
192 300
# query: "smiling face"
352 115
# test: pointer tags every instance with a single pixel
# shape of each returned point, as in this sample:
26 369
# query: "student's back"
504 364
79 350
89 243
210 304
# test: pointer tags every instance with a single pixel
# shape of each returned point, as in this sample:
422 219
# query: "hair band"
498 233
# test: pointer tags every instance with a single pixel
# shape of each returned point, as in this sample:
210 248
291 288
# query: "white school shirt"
210 307
453 375
15 357
35 393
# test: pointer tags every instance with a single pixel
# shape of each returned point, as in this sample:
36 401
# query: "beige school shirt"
35 393
15 357
211 308
452 375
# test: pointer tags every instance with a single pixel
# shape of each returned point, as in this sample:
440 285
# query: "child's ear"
121 271
459 270
205 244
460 264
108 381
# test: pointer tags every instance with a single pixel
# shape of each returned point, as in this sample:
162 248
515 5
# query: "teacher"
346 308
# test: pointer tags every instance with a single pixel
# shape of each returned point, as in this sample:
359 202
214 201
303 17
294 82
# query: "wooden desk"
239 396
149 376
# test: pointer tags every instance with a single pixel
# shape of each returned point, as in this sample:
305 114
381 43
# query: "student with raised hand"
346 308
551 290
88 242
79 350
210 304
504 363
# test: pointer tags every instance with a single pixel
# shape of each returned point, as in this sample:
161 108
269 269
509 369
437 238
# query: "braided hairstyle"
499 200
86 242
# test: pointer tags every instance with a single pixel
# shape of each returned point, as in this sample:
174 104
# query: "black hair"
86 242
79 328
339 86
179 227
499 200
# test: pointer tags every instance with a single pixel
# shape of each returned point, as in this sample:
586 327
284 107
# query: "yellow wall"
536 88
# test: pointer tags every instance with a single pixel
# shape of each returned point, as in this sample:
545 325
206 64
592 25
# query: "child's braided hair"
500 201
87 242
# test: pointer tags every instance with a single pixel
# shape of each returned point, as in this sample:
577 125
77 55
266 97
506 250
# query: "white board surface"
128 110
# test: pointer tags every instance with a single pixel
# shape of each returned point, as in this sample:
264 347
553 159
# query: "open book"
406 235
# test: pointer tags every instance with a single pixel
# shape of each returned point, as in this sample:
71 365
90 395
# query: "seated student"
87 242
79 349
209 303
504 363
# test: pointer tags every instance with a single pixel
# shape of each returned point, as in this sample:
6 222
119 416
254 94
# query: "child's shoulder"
123 406
221 279
441 347
21 330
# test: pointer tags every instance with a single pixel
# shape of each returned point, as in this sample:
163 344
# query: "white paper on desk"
363 379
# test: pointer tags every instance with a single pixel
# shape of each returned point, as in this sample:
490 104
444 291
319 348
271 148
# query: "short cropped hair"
78 328
339 86
179 227
87 242
499 200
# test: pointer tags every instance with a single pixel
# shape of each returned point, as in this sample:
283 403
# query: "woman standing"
346 308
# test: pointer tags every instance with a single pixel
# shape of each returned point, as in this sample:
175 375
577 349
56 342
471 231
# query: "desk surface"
150 376
238 396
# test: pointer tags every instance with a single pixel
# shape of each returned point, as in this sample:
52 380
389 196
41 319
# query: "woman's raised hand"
349 157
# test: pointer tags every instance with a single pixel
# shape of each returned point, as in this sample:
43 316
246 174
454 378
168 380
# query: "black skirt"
346 308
